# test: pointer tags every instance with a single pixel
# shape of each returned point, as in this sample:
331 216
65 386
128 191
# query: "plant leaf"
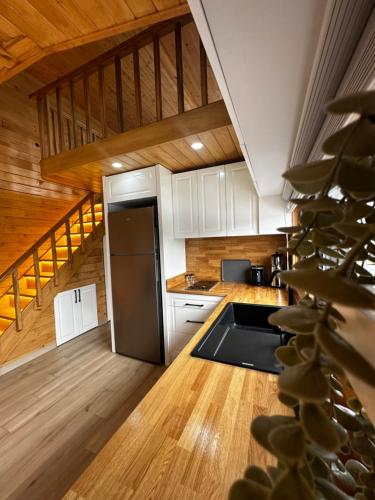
345 354
288 442
319 427
354 177
331 491
354 230
355 468
321 205
295 317
243 489
304 381
255 473
287 355
287 400
320 468
310 172
356 139
361 102
329 286
347 418
261 427
363 445
343 479
290 229
291 485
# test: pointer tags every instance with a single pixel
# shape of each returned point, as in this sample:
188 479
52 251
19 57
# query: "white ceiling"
262 53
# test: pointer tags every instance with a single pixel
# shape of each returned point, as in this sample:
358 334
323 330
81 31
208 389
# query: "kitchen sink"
242 336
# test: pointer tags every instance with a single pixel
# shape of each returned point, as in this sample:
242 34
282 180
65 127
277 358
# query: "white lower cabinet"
186 314
75 312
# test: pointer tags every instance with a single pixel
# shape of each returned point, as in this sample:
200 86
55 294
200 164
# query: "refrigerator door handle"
79 295
75 296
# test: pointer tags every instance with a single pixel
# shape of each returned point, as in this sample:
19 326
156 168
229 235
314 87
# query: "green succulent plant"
326 449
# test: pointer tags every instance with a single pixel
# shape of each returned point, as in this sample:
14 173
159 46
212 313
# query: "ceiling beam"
123 27
192 122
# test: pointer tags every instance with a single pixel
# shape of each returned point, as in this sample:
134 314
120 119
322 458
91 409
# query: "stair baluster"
17 299
54 260
69 243
82 230
38 286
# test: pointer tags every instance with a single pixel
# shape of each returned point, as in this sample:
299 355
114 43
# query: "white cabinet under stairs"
75 312
55 251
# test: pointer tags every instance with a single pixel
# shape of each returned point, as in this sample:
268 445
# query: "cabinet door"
88 309
131 185
185 205
66 316
211 202
242 201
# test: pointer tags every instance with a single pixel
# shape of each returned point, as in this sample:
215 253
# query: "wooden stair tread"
4 324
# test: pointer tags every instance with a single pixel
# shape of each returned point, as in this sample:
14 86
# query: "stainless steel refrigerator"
136 293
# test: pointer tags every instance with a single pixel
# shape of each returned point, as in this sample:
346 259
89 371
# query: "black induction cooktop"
204 285
242 336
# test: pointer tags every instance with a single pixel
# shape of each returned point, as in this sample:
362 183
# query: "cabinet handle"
79 295
197 322
75 296
194 305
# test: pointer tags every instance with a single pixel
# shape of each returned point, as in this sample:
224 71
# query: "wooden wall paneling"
137 88
147 83
203 74
119 96
157 72
102 98
73 114
204 255
60 120
179 68
86 91
168 75
45 112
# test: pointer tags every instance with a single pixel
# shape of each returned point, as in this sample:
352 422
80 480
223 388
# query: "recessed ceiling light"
197 145
116 164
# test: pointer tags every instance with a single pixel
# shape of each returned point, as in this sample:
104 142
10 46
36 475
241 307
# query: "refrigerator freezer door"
132 231
135 289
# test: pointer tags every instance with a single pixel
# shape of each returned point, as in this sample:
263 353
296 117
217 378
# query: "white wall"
262 54
273 214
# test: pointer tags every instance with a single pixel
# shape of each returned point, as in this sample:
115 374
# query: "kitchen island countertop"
189 437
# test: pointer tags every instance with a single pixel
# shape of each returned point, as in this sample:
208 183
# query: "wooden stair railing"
41 262
66 106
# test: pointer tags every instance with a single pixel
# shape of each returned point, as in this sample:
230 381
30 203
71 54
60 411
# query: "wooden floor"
58 411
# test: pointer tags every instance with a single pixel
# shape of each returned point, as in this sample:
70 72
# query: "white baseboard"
12 365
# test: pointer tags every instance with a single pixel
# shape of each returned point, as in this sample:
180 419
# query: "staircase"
25 280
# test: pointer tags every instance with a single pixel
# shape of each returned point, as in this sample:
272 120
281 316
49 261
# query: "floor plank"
59 410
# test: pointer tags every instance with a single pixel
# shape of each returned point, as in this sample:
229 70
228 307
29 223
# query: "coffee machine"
276 268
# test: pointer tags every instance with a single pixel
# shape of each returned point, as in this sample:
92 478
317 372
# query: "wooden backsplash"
204 255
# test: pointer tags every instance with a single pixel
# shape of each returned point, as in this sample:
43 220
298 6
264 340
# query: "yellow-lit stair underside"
27 280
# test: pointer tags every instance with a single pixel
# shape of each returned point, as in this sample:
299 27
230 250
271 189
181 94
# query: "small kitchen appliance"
257 275
276 268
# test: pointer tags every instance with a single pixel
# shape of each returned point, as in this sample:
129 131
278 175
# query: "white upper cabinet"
215 201
185 205
131 185
211 202
241 201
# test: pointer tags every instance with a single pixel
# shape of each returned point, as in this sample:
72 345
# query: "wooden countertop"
189 437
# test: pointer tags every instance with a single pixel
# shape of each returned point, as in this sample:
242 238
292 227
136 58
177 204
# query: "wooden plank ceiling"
32 29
